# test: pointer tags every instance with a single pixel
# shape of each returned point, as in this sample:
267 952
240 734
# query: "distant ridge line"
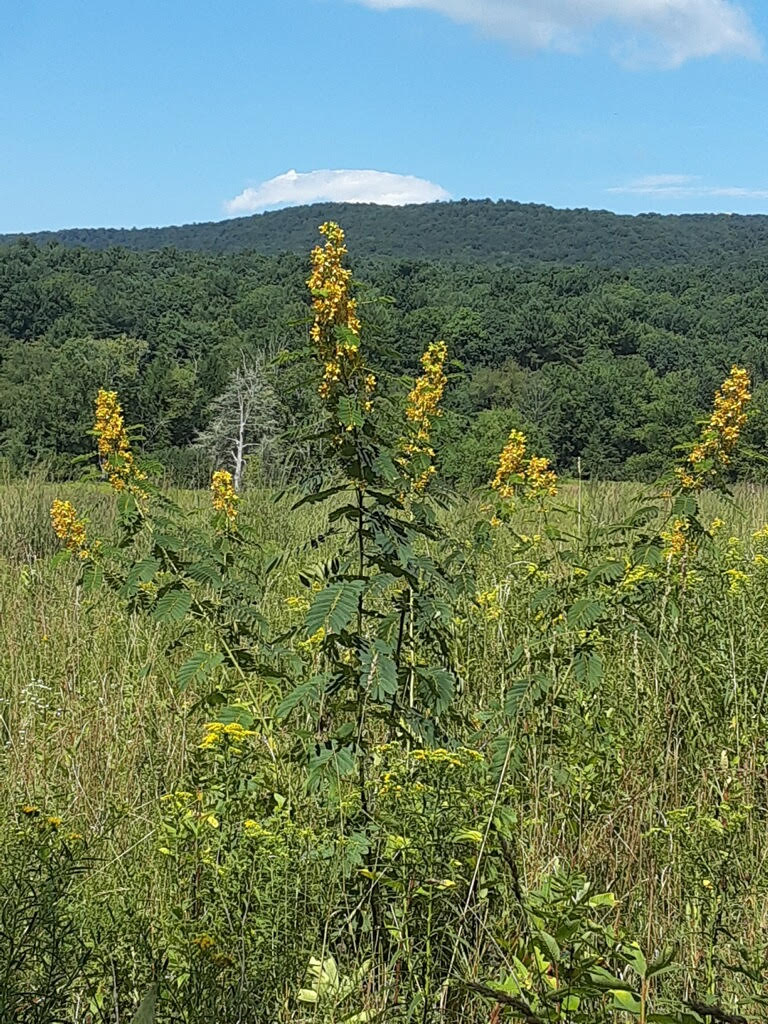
476 231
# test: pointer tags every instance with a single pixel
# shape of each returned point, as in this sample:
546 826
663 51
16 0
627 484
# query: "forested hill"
603 368
476 231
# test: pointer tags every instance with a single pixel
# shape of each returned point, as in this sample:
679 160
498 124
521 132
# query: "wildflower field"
369 750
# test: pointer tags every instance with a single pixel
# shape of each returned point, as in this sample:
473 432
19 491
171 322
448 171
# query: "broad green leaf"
584 612
236 713
205 572
608 572
146 1011
142 572
626 1001
648 554
333 608
378 672
349 412
385 466
588 668
602 899
635 957
441 684
173 606
91 577
684 506
200 665
303 693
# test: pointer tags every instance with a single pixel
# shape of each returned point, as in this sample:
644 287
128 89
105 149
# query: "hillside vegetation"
470 231
606 368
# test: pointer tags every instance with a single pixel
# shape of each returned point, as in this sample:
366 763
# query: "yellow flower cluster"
69 529
515 471
634 576
256 830
676 539
738 580
336 327
460 758
712 452
489 602
114 445
214 733
423 407
224 498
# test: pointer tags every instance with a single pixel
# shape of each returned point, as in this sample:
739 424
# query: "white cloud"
666 32
293 188
682 186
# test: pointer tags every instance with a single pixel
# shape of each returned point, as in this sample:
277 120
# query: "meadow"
367 749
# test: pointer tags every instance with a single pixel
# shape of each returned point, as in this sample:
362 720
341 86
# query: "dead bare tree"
243 420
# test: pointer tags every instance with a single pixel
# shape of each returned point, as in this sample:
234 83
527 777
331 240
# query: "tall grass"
654 784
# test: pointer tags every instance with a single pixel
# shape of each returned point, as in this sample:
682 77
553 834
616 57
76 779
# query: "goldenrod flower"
224 497
423 407
69 529
516 472
712 452
215 733
336 327
489 602
114 445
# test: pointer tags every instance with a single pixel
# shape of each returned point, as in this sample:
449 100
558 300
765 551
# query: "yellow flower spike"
717 442
114 445
333 306
69 529
423 408
533 475
224 498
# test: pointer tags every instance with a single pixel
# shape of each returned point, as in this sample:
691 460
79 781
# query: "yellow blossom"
215 733
489 602
712 452
224 498
69 529
336 327
515 472
738 580
422 408
676 539
114 445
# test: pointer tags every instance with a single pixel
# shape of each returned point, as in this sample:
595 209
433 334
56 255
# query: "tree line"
470 231
601 367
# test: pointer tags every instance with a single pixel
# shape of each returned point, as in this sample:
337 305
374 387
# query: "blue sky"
162 111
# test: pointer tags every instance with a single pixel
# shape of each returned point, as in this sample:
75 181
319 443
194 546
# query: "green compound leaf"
173 606
200 665
379 672
333 608
349 413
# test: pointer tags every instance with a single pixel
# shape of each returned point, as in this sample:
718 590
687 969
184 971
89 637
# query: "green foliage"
332 750
603 365
470 230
